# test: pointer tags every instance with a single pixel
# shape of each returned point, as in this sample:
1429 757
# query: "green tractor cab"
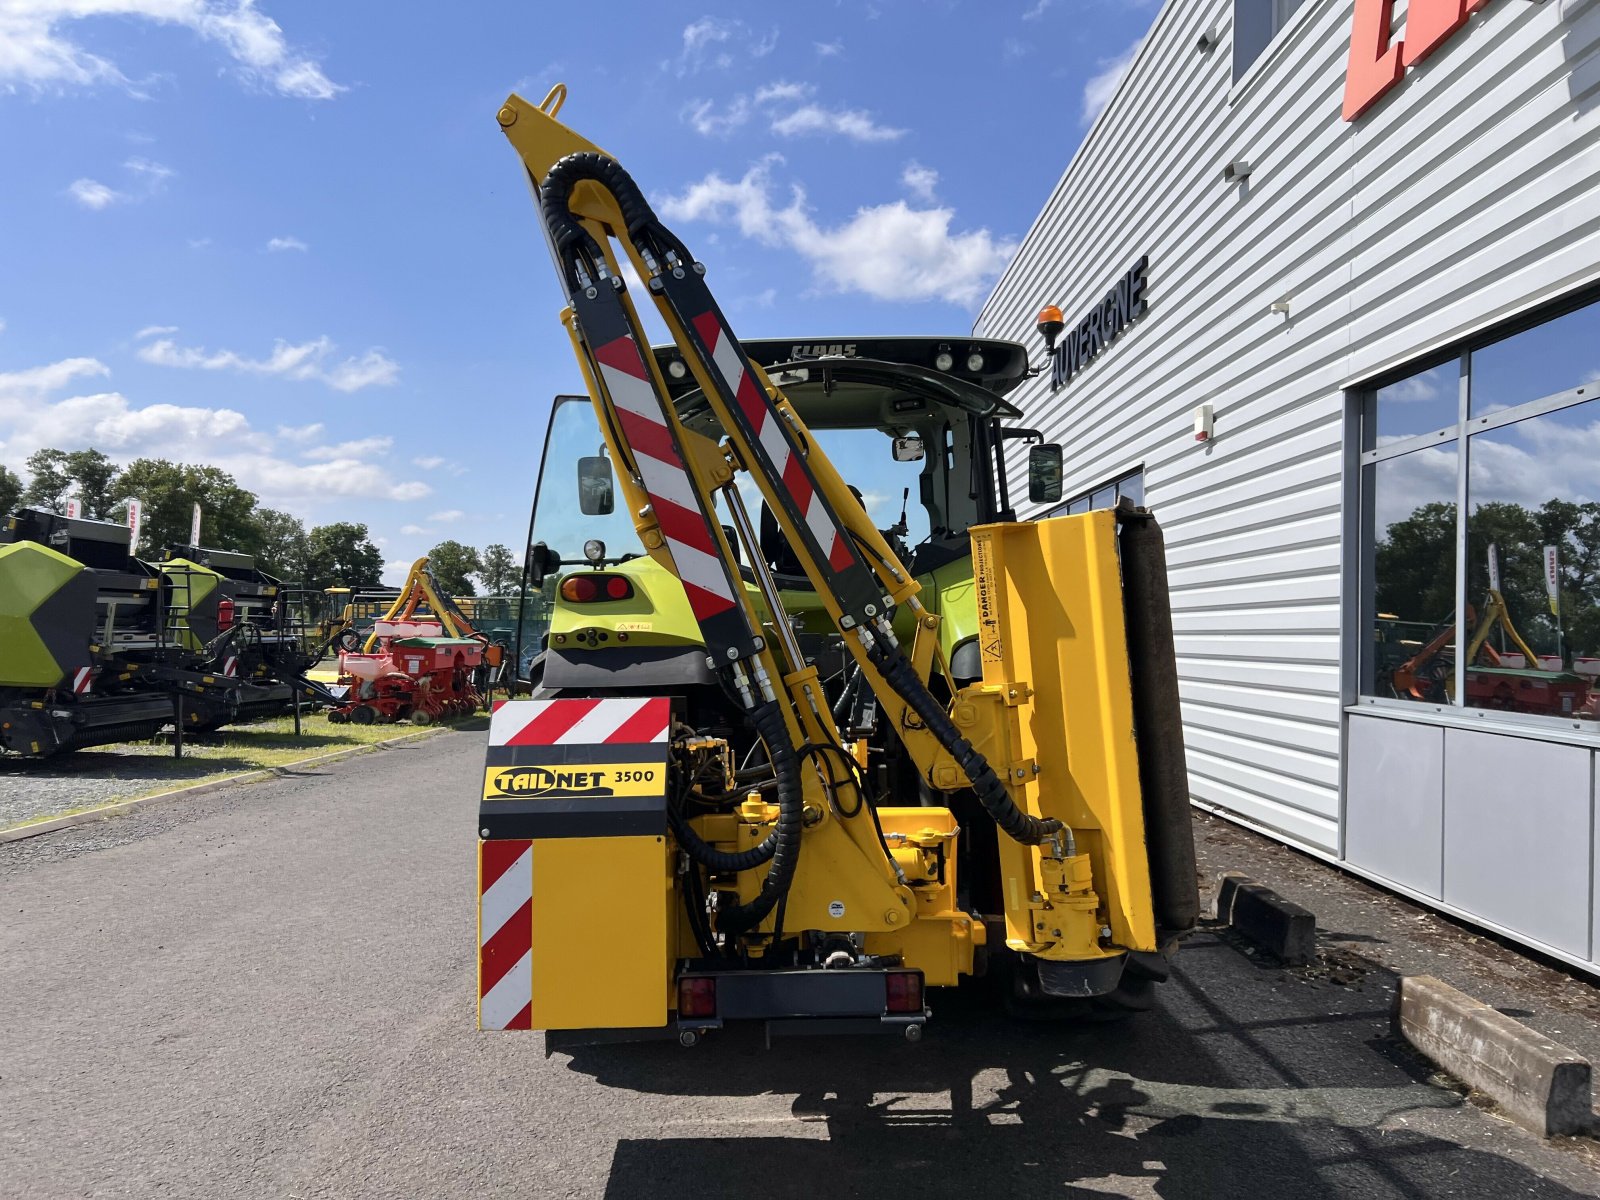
915 425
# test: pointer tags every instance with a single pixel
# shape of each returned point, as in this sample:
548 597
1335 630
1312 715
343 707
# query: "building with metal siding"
1342 257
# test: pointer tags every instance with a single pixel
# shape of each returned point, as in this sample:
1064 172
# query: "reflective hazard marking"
589 722
230 667
81 679
684 525
505 934
774 439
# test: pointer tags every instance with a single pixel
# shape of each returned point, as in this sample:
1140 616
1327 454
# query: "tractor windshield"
884 466
573 505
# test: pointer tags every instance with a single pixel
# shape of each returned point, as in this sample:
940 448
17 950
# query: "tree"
1416 565
342 555
453 565
10 491
169 491
283 546
500 572
58 475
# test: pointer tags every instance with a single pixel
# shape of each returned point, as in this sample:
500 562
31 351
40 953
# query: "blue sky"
288 238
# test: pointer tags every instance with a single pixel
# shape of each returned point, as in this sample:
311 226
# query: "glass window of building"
1107 495
1255 24
1481 564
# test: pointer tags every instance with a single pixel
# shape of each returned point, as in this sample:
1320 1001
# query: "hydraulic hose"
781 846
644 228
769 724
899 674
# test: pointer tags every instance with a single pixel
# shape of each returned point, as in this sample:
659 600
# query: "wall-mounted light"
1208 39
1237 171
1204 423
1280 308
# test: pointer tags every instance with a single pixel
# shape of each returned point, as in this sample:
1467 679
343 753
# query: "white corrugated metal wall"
1468 194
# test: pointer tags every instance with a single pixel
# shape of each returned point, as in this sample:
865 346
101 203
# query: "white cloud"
34 382
783 91
154 331
366 447
718 42
707 121
854 124
305 361
829 49
36 52
1101 87
30 418
1417 389
887 251
395 572
445 517
93 194
154 174
428 462
414 531
789 112
920 180
279 244
148 178
1038 10
1012 49
199 243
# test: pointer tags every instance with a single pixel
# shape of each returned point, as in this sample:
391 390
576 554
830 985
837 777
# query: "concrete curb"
1267 919
17 832
1541 1085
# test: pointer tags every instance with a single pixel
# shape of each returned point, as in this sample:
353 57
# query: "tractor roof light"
595 551
945 360
678 369
1051 323
975 362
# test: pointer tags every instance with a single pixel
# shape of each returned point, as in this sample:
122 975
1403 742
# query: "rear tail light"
697 997
904 990
593 587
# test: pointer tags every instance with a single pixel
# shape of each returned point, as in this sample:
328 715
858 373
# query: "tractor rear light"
593 587
904 991
697 997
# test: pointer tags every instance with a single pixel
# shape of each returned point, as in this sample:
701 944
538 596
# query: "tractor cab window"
570 507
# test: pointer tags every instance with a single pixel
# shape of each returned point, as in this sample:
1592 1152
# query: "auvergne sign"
1104 323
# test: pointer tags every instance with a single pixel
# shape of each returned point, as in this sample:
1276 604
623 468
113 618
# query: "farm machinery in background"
1520 681
422 661
99 646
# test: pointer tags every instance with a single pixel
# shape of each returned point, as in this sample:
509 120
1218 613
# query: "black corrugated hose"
782 846
991 790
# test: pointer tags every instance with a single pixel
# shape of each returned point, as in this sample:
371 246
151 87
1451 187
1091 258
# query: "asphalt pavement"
268 991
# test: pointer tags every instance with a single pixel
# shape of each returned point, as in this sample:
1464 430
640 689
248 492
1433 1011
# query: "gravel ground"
268 991
32 788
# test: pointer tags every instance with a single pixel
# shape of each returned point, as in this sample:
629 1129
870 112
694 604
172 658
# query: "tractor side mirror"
1044 473
909 449
596 488
542 562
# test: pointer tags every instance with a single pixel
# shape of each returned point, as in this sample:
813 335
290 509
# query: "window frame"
1064 507
1368 454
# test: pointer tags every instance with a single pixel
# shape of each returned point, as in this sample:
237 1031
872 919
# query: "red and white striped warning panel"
505 934
586 722
230 666
774 439
672 495
81 678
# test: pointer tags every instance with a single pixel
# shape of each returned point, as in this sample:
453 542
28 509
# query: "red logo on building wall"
1376 65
